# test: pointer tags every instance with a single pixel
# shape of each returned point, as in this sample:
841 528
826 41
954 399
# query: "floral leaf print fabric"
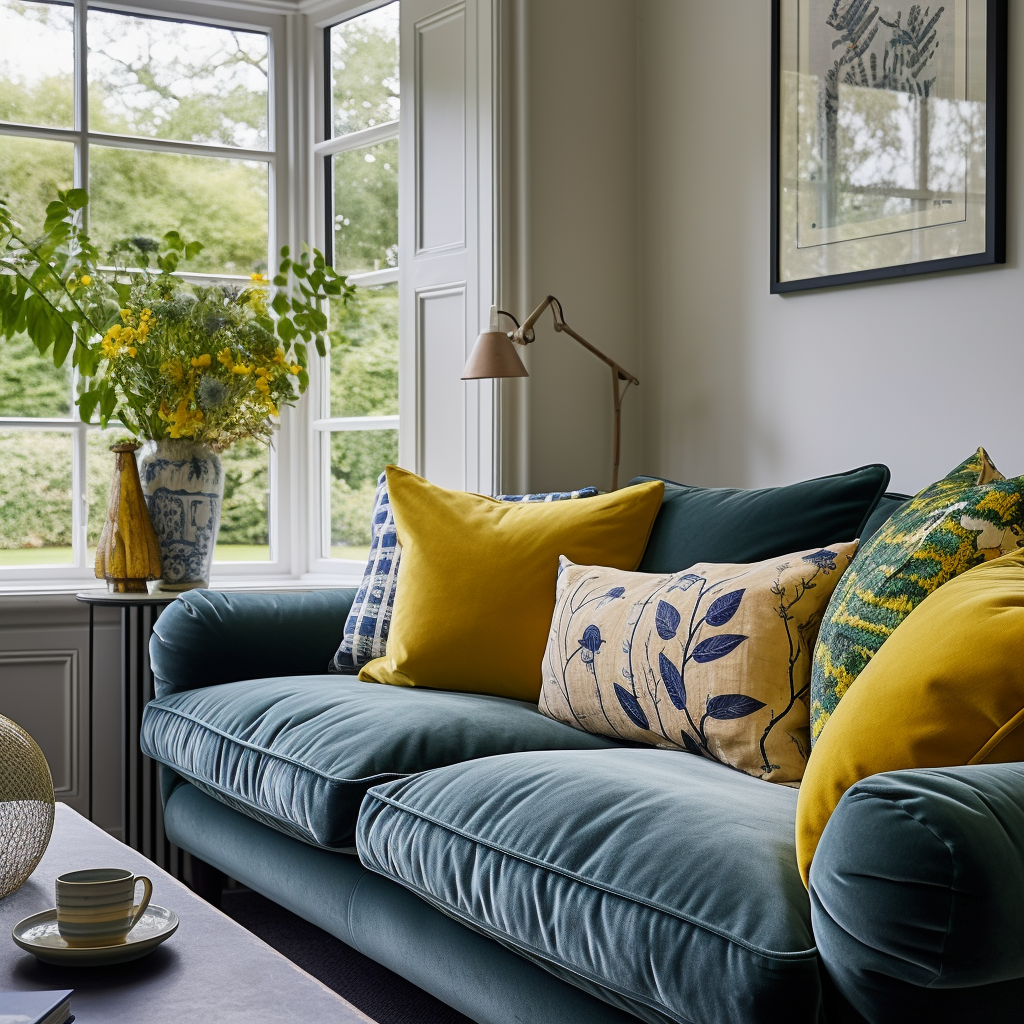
715 661
968 517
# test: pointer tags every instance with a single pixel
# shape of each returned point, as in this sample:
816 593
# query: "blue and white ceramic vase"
184 486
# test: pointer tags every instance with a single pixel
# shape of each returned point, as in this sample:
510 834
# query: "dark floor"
379 993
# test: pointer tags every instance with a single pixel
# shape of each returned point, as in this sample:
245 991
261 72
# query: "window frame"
326 145
283 126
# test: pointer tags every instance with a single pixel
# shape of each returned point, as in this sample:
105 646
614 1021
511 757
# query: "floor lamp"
494 356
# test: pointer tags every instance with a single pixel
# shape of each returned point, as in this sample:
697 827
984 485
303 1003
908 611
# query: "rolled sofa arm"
917 895
207 637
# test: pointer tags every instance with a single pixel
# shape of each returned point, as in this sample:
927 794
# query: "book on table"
36 1007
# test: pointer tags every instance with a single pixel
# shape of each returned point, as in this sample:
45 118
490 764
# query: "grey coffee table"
211 971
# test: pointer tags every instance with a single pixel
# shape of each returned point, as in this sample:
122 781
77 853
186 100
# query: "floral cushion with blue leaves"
366 629
714 660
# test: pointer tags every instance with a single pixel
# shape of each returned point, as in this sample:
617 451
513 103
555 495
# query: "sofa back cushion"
725 524
888 505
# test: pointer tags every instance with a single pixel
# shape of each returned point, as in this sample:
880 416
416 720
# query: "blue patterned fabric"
366 629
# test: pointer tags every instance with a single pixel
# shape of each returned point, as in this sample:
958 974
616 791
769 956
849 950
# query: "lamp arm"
525 335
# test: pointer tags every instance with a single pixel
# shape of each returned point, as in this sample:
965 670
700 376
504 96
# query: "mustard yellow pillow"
945 689
478 580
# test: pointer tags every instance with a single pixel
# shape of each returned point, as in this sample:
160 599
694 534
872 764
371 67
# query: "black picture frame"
995 168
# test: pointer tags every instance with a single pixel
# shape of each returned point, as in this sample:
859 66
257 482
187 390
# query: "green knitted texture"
968 517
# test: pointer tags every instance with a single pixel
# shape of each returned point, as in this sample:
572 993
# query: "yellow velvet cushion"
477 586
946 688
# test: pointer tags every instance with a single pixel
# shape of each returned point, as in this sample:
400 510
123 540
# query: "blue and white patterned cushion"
366 630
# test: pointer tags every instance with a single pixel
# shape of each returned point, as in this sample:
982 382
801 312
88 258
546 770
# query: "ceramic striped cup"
97 907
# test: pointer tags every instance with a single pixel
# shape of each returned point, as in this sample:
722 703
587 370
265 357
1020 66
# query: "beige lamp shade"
494 355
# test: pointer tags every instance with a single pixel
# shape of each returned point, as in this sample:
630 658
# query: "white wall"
743 388
582 236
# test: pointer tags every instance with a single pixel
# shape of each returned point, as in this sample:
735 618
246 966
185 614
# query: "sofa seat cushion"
299 752
664 883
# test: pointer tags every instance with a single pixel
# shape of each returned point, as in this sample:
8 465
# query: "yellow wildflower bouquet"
199 363
166 357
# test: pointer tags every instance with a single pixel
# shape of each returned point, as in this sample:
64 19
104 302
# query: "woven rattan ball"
26 805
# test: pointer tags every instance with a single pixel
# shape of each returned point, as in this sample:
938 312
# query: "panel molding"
456 12
67 660
446 235
452 289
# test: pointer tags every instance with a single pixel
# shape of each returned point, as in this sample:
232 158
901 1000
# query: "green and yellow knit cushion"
970 516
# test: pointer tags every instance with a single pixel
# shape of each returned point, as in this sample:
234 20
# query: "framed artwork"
888 139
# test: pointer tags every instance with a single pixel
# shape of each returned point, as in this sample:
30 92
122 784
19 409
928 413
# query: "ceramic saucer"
38 935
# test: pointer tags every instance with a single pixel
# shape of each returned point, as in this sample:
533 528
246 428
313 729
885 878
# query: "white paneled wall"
446 193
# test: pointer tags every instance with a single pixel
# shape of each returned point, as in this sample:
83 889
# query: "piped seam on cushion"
263 751
237 798
506 940
796 955
880 493
1001 733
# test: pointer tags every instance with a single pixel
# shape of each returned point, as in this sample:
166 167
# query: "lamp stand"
525 335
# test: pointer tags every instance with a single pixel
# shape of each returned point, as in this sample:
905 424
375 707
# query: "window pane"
99 473
222 203
37 63
245 518
366 208
364 354
364 70
31 171
35 497
174 80
357 458
30 385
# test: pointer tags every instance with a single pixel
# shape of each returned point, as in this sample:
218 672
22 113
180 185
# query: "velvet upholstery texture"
298 753
479 977
946 689
206 637
663 882
478 580
917 895
887 506
724 524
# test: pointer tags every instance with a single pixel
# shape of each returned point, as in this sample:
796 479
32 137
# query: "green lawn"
353 554
36 556
241 553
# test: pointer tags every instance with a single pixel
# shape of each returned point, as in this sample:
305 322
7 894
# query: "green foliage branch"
56 290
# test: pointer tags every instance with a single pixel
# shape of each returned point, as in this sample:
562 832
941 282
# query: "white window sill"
255 584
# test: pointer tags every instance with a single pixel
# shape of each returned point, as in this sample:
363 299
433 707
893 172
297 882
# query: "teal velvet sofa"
523 871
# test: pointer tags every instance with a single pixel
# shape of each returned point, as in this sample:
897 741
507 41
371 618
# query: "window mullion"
80 506
82 100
